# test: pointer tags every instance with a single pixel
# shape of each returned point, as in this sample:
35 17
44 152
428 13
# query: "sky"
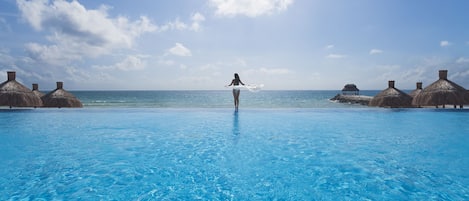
200 44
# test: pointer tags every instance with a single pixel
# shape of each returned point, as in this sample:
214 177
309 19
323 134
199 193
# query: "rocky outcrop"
353 99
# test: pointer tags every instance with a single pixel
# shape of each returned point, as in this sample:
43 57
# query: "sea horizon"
212 98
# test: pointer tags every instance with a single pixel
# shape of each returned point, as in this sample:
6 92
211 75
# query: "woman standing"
235 82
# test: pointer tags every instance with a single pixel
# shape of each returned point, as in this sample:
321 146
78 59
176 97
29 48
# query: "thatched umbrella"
36 91
442 92
14 94
417 90
391 97
60 98
350 89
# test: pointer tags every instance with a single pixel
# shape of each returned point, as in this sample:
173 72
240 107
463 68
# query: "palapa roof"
391 97
36 91
60 98
350 87
14 94
417 90
442 92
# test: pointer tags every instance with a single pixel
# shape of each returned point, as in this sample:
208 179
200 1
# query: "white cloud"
336 56
461 75
249 8
180 50
445 43
130 63
175 25
76 31
197 18
166 62
375 51
328 47
194 25
52 54
241 62
275 71
462 60
209 67
182 67
196 81
77 75
413 75
268 71
6 60
382 73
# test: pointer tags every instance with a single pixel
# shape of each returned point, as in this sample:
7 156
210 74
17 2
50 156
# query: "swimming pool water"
216 154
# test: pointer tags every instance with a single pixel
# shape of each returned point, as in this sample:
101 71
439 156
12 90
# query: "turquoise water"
216 154
211 99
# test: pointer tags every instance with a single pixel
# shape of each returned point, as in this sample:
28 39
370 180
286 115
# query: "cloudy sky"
199 44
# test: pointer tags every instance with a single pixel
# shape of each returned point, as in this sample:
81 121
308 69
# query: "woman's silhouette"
236 91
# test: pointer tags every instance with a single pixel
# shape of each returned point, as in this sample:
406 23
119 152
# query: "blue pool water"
215 154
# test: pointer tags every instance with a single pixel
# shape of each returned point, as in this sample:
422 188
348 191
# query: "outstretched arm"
241 82
232 83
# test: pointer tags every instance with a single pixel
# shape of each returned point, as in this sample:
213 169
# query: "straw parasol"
417 90
391 97
36 91
14 94
60 98
442 92
350 89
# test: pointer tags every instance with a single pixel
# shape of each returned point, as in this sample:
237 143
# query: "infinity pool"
216 154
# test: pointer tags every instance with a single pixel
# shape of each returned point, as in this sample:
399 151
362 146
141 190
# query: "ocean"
192 145
213 99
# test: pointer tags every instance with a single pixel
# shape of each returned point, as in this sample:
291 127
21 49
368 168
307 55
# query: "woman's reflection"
235 124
